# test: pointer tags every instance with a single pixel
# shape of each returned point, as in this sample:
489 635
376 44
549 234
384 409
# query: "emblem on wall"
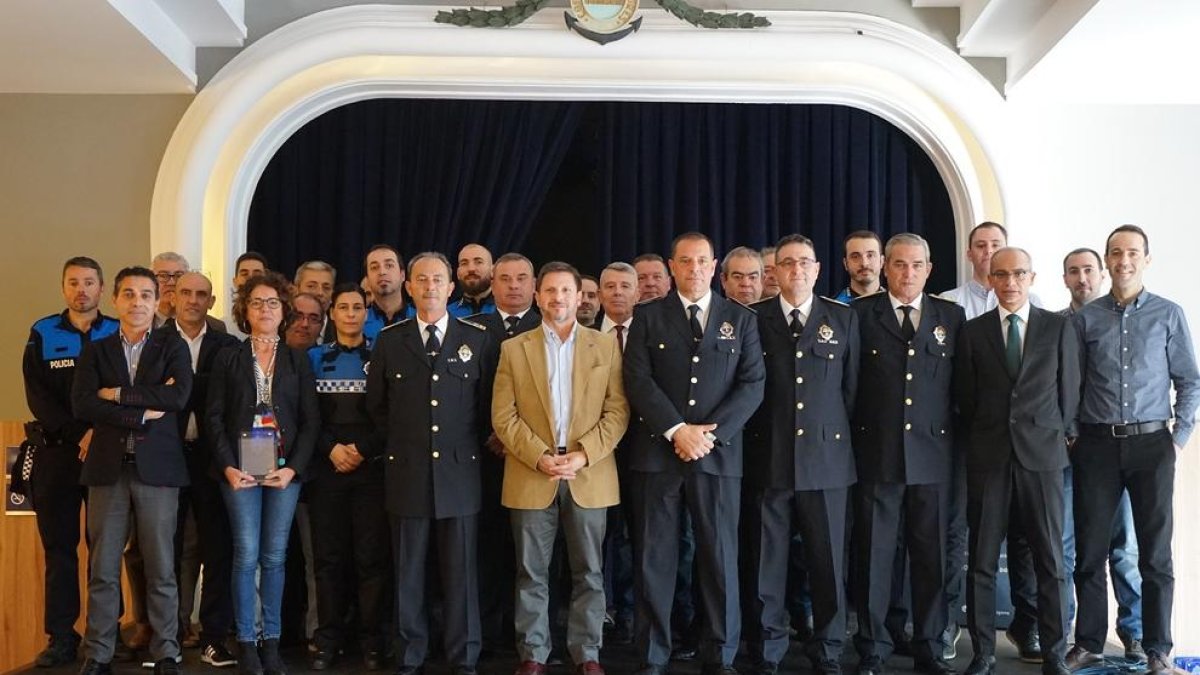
603 21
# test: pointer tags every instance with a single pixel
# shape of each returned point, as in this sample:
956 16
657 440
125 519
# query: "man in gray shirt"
1136 347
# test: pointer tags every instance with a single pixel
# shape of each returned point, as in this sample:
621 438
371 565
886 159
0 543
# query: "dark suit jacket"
200 457
668 382
1027 419
233 401
904 413
158 445
820 371
432 473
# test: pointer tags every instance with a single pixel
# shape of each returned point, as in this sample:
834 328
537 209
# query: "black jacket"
233 400
199 457
667 381
159 448
802 430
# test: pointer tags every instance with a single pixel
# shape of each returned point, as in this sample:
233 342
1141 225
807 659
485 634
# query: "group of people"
544 456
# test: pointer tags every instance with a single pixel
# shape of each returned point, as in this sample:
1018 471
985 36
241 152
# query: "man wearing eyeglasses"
1017 382
168 267
904 443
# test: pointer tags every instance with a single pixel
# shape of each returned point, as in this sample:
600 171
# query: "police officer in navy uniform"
345 493
802 467
903 442
55 343
429 393
385 279
694 375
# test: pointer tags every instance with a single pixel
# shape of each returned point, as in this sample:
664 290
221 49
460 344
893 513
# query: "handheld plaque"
257 450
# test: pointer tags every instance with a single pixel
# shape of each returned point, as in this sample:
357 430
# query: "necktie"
620 330
1012 347
511 323
697 331
906 326
432 345
796 324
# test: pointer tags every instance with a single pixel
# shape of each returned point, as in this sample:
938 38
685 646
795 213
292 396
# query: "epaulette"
472 324
401 322
646 301
935 296
833 301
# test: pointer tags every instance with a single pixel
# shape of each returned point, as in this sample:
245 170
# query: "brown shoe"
1159 663
589 668
531 668
1079 658
141 637
188 638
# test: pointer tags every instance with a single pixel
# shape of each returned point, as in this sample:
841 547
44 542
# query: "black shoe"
94 667
272 663
650 669
410 670
464 670
1028 646
1079 658
801 630
322 659
1055 668
902 646
1133 647
373 659
249 662
717 669
766 668
60 652
683 653
981 665
217 656
167 666
871 665
934 667
826 666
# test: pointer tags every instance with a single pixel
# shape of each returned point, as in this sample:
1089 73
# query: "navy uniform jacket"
498 330
1026 419
233 403
720 383
432 419
802 429
341 380
904 413
157 443
49 362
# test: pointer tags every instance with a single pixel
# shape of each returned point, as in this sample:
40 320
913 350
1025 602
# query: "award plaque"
257 452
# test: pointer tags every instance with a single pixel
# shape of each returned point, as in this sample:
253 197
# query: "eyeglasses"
259 303
169 276
803 263
1004 275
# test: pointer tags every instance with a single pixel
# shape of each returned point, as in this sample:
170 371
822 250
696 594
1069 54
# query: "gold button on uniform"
907 426
800 405
435 377
694 380
912 352
435 454
799 432
908 401
433 403
908 376
692 401
435 428
799 355
799 380
695 359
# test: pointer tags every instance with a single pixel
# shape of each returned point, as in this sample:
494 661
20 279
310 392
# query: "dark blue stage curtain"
594 182
418 174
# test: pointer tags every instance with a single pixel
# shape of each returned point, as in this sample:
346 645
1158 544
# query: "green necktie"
1012 348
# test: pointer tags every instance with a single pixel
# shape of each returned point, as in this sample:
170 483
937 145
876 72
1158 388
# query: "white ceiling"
1107 51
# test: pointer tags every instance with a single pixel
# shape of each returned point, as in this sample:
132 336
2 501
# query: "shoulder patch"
398 323
832 301
472 324
936 296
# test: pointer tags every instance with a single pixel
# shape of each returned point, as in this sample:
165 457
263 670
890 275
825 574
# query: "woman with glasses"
345 493
263 421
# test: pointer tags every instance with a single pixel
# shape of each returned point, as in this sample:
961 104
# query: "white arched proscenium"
239 120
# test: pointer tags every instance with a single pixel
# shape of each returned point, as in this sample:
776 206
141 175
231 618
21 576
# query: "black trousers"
882 512
713 503
497 561
216 556
1103 467
820 518
1033 502
455 541
57 498
350 539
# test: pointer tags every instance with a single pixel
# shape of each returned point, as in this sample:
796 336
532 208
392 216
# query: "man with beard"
653 278
863 260
589 300
474 276
385 283
54 346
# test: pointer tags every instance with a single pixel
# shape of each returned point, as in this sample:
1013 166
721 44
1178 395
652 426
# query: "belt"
562 449
1122 430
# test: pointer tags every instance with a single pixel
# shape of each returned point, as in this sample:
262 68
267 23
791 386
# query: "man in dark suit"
802 472
514 313
1017 382
429 391
193 299
903 442
694 375
130 386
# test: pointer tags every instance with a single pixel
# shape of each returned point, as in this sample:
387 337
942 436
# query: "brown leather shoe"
1159 663
589 668
141 637
531 668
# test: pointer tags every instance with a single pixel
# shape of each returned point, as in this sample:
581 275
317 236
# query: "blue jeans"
260 519
1122 563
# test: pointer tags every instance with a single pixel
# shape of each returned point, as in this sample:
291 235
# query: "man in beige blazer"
559 408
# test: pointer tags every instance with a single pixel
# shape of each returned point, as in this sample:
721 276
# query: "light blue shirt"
1132 356
560 359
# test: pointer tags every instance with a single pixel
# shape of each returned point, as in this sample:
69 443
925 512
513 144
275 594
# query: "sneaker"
167 666
950 641
217 656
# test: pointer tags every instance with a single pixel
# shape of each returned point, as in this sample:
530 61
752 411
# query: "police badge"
939 334
825 335
464 353
726 332
603 21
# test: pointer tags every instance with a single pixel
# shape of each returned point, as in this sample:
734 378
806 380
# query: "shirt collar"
607 324
805 307
520 315
977 288
915 304
139 343
441 324
704 302
552 335
1022 312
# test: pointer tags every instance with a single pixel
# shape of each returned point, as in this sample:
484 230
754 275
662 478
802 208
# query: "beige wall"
76 177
